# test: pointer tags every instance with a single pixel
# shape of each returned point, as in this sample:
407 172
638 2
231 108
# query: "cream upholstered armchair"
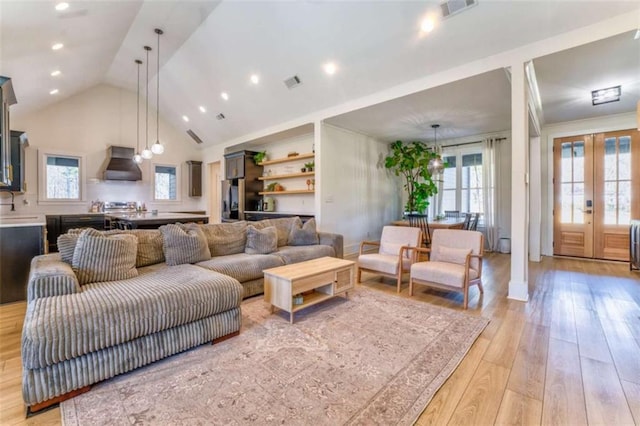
395 254
455 262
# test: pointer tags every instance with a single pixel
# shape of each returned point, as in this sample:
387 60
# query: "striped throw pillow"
261 241
184 244
98 257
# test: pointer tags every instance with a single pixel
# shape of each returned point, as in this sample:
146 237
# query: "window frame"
43 180
178 183
458 153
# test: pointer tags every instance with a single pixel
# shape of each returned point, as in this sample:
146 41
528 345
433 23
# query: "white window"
61 177
165 185
462 181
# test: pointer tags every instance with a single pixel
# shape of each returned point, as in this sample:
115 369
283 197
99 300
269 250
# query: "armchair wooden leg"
399 281
359 278
466 297
480 287
410 286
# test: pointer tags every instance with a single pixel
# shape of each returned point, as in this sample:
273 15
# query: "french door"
596 194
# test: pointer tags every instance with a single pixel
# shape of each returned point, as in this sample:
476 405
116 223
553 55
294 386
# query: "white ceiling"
209 47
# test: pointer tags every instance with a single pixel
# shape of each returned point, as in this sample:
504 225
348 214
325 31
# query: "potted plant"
310 165
411 161
259 157
272 186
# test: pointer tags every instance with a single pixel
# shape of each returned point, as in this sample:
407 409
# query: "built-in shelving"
293 191
287 159
287 176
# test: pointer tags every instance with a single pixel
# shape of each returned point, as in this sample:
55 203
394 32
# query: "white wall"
570 128
358 195
88 123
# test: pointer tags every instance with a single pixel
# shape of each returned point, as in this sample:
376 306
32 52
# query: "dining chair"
455 262
467 221
453 214
421 221
395 252
473 223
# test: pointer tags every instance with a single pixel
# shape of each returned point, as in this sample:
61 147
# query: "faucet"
13 205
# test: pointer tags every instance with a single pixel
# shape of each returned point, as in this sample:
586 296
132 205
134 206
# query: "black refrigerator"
240 191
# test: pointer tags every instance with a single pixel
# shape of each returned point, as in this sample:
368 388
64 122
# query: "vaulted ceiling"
211 47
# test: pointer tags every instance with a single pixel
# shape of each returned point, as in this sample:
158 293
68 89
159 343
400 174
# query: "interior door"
617 189
573 193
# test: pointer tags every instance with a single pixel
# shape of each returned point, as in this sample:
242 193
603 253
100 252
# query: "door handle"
588 211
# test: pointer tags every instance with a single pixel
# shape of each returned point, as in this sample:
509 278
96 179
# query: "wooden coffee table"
322 278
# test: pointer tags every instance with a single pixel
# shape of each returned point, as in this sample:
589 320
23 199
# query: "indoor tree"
411 161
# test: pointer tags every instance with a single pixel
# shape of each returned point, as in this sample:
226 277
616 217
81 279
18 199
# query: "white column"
518 285
317 147
535 199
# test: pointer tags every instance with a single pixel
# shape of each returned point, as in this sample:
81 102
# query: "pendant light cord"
158 91
146 137
138 112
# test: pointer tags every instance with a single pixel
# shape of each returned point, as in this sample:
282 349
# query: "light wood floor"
570 356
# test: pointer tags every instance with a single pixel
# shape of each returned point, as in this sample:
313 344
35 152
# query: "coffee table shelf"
320 279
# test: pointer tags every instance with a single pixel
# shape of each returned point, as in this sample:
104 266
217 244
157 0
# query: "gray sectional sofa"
82 326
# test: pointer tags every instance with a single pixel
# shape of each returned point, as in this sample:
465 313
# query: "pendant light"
138 158
157 148
436 165
146 153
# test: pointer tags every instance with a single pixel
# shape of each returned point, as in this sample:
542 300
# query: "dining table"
446 223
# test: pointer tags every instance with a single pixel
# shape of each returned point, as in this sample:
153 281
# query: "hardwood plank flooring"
568 356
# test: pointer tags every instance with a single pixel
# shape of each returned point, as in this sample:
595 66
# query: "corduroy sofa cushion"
98 257
261 241
226 238
184 244
303 235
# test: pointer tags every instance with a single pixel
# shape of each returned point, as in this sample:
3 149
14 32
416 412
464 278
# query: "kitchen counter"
31 220
150 220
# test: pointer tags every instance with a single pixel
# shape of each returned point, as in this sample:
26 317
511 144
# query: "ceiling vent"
194 136
452 7
292 82
220 116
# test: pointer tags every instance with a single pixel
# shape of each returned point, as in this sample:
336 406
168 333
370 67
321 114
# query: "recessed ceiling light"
55 73
62 6
225 96
604 96
54 92
330 68
185 118
202 110
57 46
427 25
255 79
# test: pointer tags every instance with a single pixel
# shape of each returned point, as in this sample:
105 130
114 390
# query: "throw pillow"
261 241
98 257
226 238
184 244
303 235
453 255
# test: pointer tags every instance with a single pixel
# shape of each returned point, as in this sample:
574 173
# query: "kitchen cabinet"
18 245
195 178
7 98
16 170
60 224
237 164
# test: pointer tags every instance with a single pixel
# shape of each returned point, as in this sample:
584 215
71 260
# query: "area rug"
373 358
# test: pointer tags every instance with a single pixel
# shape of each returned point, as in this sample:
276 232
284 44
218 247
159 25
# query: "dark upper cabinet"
237 164
60 224
15 172
195 178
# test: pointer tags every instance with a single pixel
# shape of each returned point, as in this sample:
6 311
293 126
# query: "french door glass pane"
449 175
624 203
565 166
624 158
610 160
578 162
475 202
610 202
578 202
449 199
566 202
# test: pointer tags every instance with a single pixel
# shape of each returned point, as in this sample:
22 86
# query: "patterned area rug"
374 358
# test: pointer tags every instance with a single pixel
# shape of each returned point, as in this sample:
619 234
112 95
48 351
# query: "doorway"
596 194
214 192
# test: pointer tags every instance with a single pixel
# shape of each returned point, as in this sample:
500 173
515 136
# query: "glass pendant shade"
147 154
157 148
137 158
435 166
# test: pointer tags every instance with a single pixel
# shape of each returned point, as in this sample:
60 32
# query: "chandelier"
436 165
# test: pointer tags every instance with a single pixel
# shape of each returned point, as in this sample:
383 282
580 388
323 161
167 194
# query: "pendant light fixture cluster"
157 148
